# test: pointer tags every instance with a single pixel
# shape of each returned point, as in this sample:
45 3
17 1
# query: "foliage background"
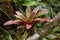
8 8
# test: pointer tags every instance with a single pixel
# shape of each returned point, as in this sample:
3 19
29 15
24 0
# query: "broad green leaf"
30 3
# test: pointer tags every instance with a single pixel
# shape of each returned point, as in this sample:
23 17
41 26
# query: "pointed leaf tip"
18 13
28 26
35 10
9 22
43 19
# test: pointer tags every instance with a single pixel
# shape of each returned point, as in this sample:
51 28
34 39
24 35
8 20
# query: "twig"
4 30
6 14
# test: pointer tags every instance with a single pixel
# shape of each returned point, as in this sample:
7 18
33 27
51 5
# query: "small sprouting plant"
29 19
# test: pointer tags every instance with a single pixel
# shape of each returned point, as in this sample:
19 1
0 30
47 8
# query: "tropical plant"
29 19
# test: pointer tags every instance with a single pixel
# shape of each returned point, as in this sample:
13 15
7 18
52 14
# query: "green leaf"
25 35
57 28
22 36
50 36
29 3
10 38
44 39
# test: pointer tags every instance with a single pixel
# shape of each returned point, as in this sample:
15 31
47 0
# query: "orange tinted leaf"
20 27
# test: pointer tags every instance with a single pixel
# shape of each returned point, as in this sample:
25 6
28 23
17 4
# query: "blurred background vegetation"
7 11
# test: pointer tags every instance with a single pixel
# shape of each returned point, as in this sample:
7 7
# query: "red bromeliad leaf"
19 15
43 19
11 22
28 12
28 26
34 12
44 11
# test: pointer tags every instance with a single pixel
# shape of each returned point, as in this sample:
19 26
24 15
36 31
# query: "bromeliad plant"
28 20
